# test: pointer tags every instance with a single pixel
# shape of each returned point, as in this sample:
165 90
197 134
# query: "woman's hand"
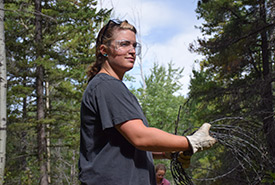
201 140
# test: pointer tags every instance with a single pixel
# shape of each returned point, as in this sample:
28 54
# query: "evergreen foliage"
161 100
69 29
235 80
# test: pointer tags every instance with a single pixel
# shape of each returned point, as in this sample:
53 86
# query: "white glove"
201 140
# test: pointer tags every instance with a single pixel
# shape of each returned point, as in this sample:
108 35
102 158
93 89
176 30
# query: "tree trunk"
23 140
271 6
48 131
3 95
267 102
41 127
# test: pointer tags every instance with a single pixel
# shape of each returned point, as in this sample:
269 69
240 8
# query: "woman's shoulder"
104 82
165 182
103 77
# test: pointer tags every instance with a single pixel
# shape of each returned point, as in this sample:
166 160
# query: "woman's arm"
161 155
151 139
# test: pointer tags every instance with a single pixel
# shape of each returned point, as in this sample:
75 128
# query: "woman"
160 173
116 142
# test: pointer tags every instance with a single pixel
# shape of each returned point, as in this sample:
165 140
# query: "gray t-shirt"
106 157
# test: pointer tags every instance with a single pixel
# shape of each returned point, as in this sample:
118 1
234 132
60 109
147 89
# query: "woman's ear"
103 49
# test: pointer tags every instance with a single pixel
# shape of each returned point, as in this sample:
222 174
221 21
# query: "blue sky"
165 29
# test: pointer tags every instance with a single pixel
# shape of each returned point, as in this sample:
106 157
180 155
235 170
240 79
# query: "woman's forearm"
152 139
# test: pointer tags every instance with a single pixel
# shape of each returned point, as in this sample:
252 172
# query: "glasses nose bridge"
132 47
136 48
128 46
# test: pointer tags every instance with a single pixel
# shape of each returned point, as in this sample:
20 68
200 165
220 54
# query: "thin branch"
35 13
240 38
177 121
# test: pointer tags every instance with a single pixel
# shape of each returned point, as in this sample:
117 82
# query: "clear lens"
126 45
138 49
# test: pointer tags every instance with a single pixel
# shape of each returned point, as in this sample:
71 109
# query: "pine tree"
236 76
55 51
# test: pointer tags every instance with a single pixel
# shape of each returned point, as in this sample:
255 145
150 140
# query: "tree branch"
34 13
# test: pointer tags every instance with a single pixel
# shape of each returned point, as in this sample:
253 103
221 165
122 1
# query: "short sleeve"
116 104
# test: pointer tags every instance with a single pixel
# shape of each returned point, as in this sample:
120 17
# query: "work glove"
183 157
201 140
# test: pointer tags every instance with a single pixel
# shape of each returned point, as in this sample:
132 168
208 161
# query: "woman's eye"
125 43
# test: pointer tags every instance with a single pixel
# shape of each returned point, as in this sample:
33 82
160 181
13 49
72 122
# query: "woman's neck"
106 68
159 181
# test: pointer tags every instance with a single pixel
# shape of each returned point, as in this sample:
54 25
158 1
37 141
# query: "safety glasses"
124 46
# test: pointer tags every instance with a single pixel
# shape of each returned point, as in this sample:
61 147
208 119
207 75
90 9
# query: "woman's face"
159 175
121 52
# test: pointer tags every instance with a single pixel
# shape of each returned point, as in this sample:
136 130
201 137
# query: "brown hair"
104 37
160 167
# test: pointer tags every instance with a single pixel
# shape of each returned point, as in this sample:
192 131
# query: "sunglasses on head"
112 21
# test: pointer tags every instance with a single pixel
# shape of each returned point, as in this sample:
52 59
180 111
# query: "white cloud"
145 14
175 50
156 15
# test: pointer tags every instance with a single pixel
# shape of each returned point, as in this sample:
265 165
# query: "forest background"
49 45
